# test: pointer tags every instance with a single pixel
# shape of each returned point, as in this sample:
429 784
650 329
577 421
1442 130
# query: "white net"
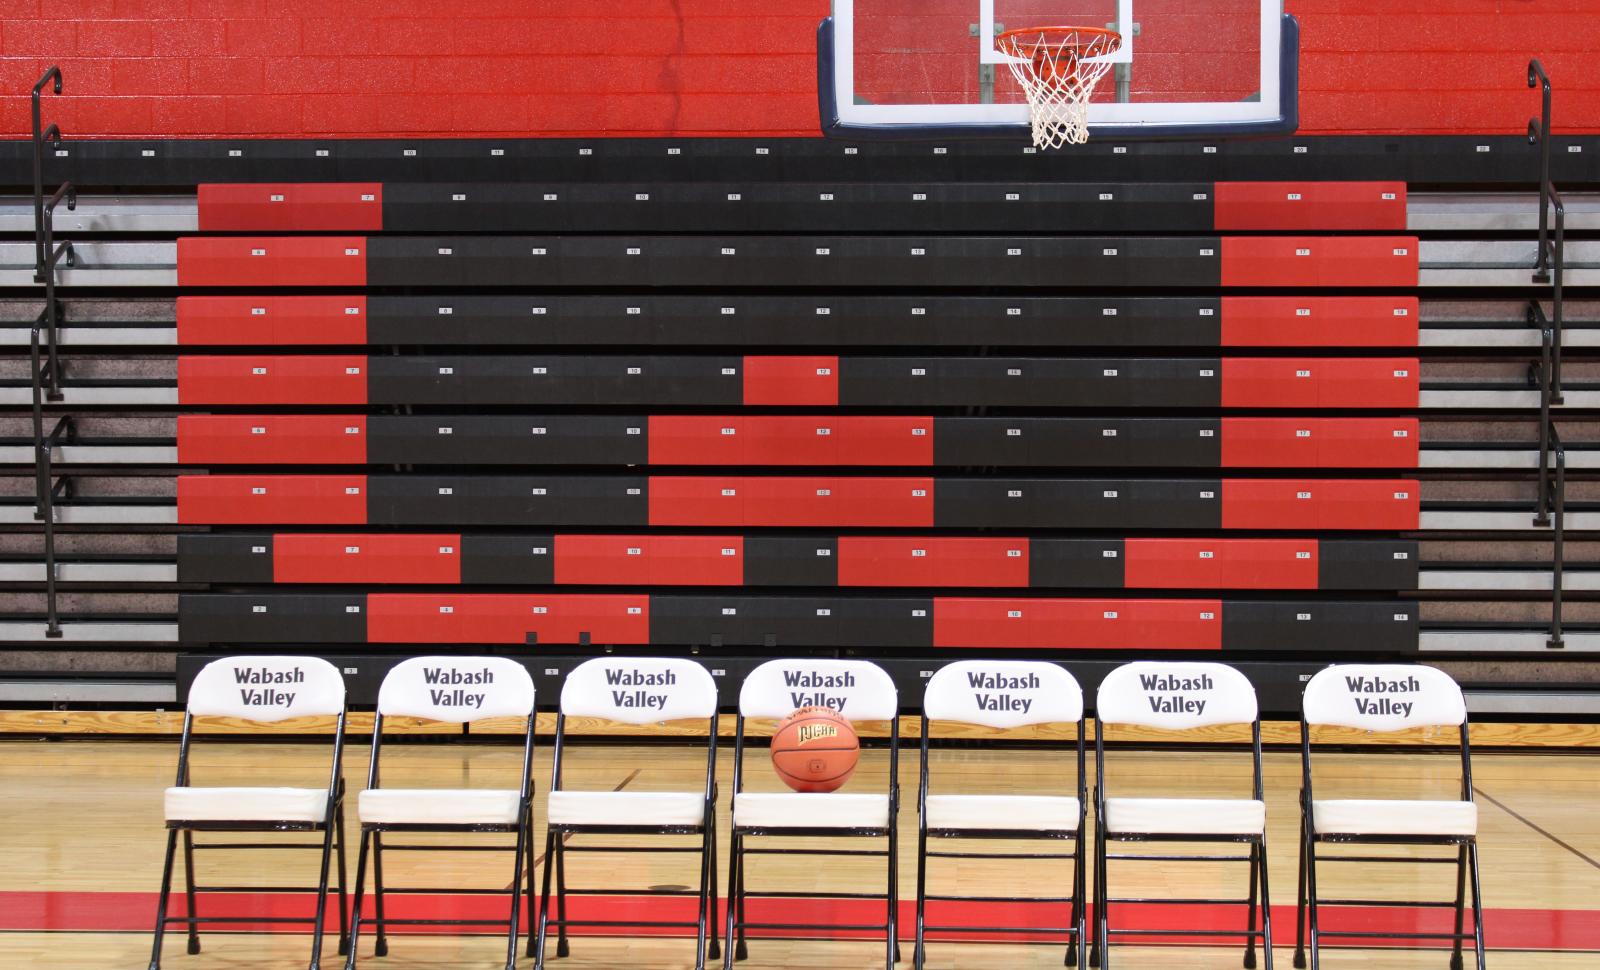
1058 68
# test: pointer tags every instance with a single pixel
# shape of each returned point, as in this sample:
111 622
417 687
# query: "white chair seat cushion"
810 810
1186 816
245 804
1392 817
626 808
1033 813
438 806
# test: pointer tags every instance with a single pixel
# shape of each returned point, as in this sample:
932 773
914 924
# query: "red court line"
1572 930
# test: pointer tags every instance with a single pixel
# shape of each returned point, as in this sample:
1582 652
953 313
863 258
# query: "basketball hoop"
1058 68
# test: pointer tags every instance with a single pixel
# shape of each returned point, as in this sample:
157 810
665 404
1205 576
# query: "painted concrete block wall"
453 68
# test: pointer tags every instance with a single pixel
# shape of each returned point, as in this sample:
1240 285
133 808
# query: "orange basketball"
815 750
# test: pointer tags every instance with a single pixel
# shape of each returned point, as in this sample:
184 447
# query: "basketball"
815 750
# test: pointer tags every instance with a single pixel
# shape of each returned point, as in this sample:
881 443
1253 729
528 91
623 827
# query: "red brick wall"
370 68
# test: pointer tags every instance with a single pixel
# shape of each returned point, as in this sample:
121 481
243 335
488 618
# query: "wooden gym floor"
81 853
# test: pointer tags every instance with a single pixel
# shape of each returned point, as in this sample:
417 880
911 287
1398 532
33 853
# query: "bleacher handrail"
40 136
45 487
1550 259
1558 501
1550 510
1539 134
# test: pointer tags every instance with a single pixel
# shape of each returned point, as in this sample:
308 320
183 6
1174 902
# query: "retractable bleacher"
928 404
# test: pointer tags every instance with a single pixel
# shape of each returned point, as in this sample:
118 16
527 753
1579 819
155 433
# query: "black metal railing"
1539 134
41 136
1551 509
47 253
47 489
1550 261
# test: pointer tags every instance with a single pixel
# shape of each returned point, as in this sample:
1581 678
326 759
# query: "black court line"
1544 832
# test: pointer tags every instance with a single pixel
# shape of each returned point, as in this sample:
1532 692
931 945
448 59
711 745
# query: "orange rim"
1037 46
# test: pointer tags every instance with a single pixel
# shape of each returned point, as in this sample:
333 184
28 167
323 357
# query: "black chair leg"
355 904
730 903
344 902
381 947
516 891
562 948
892 899
1077 952
544 899
1250 918
1300 905
162 897
919 949
534 912
319 921
741 950
1461 902
1477 904
1101 943
188 890
703 920
1266 909
1311 904
713 925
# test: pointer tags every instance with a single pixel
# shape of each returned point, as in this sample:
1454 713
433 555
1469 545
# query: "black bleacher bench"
542 206
618 380
824 321
830 261
1420 159
978 562
798 440
1361 504
790 622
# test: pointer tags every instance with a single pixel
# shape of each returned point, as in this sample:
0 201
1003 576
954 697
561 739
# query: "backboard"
929 68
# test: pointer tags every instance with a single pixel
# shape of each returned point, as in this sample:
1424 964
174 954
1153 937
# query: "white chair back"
1384 697
1002 693
456 689
1175 696
267 689
859 690
639 690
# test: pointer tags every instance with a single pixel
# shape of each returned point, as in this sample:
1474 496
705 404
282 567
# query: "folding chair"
265 690
1385 698
1180 697
1003 694
453 690
633 690
862 692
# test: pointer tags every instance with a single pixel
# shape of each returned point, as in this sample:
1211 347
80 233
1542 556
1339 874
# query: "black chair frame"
1258 902
1465 860
1075 934
331 826
736 924
556 848
372 833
